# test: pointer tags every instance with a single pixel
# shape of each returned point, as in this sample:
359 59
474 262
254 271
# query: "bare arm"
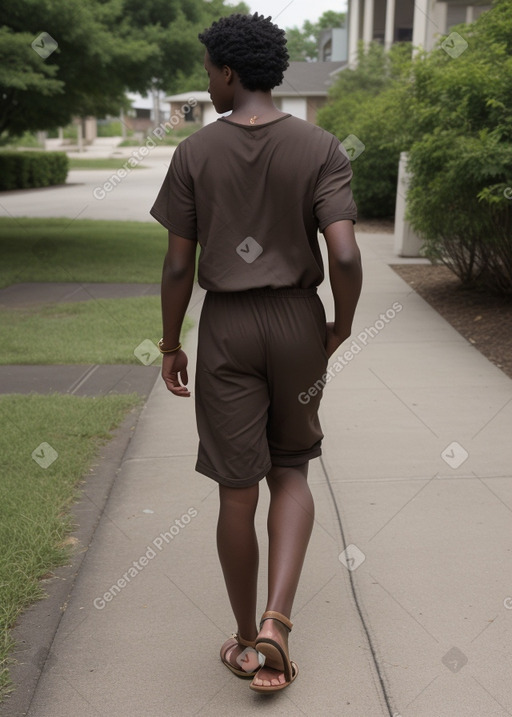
177 282
345 273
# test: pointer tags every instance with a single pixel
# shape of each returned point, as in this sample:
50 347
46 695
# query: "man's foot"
272 640
241 659
270 676
267 677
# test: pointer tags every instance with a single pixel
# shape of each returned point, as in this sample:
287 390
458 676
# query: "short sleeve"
174 206
333 200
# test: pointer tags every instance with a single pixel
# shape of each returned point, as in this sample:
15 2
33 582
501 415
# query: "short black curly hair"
252 46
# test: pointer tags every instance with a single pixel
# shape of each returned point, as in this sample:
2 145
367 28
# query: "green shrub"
25 170
70 131
109 128
459 199
27 140
451 113
380 129
368 102
458 202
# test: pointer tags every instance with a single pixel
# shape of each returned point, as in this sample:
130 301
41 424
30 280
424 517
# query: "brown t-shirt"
254 197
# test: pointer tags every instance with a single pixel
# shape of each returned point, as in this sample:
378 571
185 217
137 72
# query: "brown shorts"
259 353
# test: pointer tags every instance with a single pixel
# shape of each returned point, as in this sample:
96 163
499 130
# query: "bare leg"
290 522
237 547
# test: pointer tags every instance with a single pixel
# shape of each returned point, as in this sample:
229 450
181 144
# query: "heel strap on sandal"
273 615
245 643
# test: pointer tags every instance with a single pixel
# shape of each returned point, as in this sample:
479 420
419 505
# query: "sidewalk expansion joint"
356 597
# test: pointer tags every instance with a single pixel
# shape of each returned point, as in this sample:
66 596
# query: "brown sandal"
234 641
276 656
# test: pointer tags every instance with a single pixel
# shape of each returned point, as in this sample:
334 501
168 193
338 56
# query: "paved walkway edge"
37 626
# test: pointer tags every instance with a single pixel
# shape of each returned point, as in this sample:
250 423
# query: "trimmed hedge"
26 170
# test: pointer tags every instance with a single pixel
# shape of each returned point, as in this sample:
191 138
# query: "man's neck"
254 108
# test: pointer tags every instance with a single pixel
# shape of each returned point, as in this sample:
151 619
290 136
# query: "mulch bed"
483 319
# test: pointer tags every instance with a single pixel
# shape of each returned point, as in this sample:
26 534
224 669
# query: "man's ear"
228 74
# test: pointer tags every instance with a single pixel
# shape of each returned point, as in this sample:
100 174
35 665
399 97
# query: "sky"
292 13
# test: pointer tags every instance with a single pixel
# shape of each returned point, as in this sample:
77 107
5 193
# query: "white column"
389 32
470 14
441 13
353 32
368 22
419 25
407 242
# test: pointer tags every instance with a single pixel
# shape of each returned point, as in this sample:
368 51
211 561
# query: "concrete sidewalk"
82 196
414 485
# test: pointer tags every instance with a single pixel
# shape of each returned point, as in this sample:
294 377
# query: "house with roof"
303 91
146 112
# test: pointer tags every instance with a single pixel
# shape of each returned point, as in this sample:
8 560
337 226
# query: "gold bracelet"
167 351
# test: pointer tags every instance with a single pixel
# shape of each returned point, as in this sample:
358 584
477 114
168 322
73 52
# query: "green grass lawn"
104 331
83 250
103 163
34 499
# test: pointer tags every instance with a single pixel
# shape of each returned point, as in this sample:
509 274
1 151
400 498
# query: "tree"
172 26
192 76
302 43
104 48
97 56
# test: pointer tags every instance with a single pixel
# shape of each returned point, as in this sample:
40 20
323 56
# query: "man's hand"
177 283
174 369
345 274
333 341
